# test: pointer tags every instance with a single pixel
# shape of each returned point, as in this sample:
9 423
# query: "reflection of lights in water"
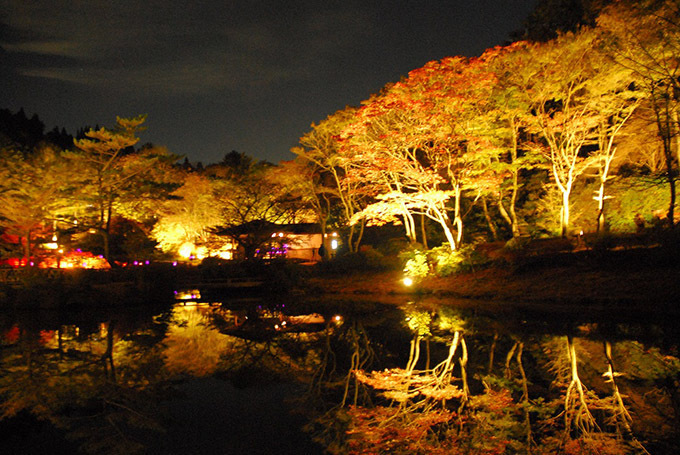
408 281
189 294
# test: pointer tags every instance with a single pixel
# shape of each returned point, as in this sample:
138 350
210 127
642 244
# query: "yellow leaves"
192 345
419 322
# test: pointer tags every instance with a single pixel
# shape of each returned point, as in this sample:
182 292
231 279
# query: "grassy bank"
648 276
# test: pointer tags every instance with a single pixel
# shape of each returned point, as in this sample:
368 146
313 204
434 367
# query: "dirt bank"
639 276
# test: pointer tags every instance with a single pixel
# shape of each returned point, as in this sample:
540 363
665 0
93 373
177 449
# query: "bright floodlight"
408 281
186 249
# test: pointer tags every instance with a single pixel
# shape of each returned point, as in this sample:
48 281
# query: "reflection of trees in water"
424 381
241 345
70 379
101 384
192 345
552 394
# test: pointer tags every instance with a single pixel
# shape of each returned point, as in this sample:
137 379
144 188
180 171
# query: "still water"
261 376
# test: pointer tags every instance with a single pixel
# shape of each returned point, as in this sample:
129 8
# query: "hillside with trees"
572 134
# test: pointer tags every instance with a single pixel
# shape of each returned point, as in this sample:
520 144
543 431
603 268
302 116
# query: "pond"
259 375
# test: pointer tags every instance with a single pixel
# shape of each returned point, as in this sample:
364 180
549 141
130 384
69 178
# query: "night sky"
216 76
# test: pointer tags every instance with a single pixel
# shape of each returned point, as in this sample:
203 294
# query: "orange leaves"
379 430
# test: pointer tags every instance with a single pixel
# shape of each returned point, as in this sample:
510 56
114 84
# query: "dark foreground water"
258 376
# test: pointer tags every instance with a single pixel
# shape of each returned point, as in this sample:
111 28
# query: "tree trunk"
564 213
489 221
423 231
355 248
409 225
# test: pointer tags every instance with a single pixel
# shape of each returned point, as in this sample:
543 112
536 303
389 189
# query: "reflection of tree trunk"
361 354
107 357
508 359
463 369
60 344
492 352
525 398
444 369
576 410
620 412
414 354
427 352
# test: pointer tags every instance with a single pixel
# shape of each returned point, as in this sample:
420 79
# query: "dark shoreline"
638 278
627 279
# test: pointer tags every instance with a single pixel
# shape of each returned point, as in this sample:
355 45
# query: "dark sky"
215 76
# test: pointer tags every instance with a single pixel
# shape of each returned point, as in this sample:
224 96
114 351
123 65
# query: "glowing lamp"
186 249
334 244
408 281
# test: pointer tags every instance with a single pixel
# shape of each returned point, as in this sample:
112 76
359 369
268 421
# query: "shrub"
355 262
414 260
463 259
417 266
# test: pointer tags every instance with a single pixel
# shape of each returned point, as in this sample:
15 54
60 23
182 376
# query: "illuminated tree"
115 178
553 78
189 214
320 148
507 125
615 104
644 37
34 190
418 146
251 202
